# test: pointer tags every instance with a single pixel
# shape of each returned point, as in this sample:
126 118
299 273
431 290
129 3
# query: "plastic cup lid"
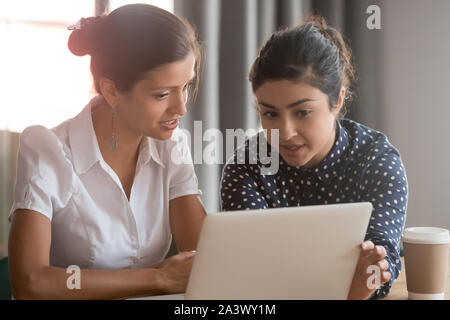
426 235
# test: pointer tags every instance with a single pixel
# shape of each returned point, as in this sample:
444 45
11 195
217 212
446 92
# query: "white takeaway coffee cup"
426 252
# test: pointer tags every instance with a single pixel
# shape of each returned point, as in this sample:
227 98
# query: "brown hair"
133 40
312 52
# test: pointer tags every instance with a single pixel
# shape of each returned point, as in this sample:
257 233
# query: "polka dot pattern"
362 166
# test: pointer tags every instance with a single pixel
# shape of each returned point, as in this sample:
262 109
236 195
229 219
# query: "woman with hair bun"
301 81
99 197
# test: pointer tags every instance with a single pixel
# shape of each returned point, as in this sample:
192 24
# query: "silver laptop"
306 252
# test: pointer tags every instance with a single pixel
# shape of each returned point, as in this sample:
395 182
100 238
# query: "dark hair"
133 40
312 53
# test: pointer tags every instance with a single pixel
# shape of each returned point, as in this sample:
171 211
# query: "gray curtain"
232 31
350 17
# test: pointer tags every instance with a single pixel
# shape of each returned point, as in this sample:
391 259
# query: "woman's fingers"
380 252
376 256
385 276
183 255
383 265
367 247
372 253
177 257
187 254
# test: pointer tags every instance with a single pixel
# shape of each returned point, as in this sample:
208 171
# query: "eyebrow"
291 105
166 87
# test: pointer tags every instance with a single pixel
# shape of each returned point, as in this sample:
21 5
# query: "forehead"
283 92
171 74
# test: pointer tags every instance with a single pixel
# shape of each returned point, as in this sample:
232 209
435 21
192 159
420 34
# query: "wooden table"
399 291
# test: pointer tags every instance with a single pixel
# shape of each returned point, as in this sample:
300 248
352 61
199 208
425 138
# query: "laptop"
290 253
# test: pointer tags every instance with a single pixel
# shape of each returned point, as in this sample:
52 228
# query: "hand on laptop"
175 272
371 255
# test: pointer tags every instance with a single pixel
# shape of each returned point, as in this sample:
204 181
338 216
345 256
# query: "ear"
109 91
340 101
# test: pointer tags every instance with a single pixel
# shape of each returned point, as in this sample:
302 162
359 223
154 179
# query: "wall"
415 81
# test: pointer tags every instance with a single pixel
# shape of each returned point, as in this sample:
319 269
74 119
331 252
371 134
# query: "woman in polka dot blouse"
300 80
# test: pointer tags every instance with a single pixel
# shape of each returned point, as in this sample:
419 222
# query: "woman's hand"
371 255
175 272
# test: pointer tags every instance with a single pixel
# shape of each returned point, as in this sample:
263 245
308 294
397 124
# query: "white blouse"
61 174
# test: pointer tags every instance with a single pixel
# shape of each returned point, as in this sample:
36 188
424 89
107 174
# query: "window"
41 81
164 4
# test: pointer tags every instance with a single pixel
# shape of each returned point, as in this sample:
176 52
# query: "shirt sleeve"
239 187
385 185
182 178
44 174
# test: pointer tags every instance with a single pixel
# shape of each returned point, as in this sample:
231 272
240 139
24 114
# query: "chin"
295 162
160 135
165 136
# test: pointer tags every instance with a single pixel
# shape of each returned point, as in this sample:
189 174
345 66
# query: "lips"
170 124
292 149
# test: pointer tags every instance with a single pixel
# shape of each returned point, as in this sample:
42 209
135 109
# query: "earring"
113 141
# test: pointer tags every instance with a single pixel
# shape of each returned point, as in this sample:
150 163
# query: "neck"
128 142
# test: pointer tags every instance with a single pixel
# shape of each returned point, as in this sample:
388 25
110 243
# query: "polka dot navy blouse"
362 166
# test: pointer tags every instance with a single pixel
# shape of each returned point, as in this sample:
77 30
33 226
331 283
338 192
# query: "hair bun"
317 21
320 23
335 37
83 36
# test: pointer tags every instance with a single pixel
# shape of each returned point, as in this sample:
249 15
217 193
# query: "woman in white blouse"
101 191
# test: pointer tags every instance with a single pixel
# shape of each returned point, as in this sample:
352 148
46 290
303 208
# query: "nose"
288 130
178 105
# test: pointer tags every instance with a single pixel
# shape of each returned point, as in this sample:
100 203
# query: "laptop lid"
306 252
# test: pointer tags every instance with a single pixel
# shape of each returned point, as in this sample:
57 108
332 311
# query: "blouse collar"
84 145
